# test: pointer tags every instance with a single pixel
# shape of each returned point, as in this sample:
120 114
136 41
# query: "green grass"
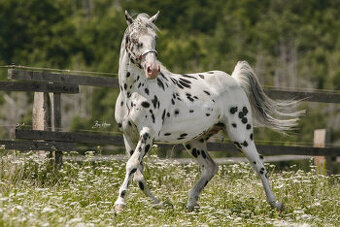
83 194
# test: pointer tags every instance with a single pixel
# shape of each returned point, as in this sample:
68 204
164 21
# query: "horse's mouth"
152 71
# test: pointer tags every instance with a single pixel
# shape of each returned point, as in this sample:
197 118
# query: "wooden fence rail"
117 140
101 81
48 86
34 86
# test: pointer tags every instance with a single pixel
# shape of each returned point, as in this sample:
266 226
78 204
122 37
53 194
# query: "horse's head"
140 43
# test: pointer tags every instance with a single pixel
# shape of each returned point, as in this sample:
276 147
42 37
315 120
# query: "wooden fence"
48 87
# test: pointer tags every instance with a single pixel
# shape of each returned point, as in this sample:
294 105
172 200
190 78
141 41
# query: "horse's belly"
184 129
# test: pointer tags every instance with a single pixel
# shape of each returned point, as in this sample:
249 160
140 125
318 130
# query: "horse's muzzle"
152 70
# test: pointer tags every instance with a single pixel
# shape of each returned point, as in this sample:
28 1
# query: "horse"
157 106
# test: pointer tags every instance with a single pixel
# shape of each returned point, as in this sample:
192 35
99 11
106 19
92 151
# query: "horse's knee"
213 168
131 166
138 176
210 170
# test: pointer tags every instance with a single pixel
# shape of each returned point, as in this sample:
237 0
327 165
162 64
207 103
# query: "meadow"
33 193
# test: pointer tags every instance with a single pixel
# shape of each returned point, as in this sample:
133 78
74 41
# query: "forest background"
290 44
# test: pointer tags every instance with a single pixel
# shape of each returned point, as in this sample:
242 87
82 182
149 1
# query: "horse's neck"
128 72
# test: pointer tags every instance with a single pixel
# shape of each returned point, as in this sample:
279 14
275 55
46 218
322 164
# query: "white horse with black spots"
155 105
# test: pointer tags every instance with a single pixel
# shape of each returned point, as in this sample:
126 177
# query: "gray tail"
266 112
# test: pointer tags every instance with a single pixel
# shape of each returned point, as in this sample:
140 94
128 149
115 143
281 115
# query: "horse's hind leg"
198 149
241 133
139 174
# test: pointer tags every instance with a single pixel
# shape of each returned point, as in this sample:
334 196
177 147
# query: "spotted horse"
157 106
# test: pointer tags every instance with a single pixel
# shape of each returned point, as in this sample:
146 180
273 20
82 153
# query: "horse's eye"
140 45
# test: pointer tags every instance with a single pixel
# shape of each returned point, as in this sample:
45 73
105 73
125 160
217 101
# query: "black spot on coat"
147 148
145 104
194 152
145 137
204 154
184 83
133 171
183 135
146 91
238 146
160 84
155 101
162 75
207 92
233 109
188 76
163 115
141 185
245 110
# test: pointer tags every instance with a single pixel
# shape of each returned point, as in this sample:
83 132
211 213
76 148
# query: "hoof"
193 207
119 208
278 206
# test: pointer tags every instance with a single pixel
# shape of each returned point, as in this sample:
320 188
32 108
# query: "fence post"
41 115
55 100
323 163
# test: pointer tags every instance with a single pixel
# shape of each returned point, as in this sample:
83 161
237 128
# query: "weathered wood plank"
38 87
41 111
95 138
296 150
55 101
36 145
91 138
309 96
99 81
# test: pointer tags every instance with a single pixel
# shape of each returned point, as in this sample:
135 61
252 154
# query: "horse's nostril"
149 70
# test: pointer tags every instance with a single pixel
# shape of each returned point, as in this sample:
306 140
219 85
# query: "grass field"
83 194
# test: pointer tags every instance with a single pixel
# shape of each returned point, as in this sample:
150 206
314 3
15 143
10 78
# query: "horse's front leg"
139 174
134 164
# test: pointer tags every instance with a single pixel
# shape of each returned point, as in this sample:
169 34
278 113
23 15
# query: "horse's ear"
154 17
129 19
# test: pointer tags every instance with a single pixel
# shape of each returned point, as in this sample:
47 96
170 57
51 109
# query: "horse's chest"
139 111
